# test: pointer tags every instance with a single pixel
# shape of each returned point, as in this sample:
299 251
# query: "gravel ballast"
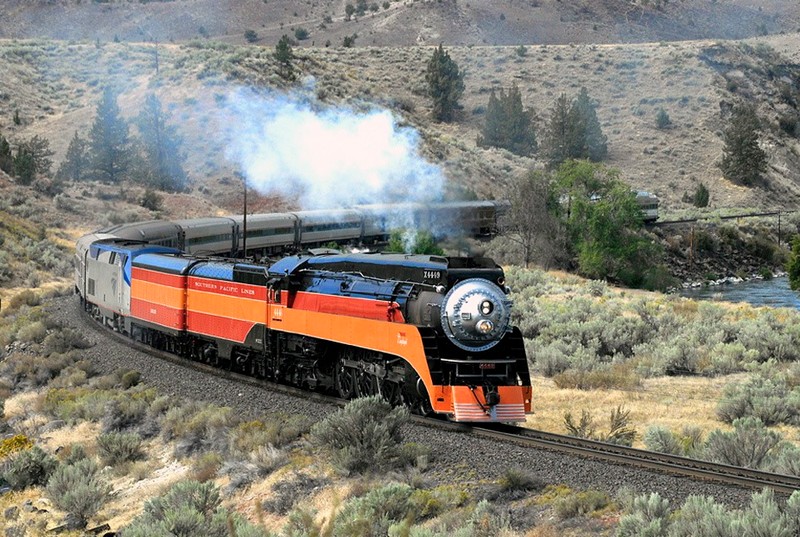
455 457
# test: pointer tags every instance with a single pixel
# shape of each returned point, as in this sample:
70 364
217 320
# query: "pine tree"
445 84
284 57
6 157
508 125
163 162
38 148
75 164
574 131
109 145
559 133
590 140
24 167
493 133
743 160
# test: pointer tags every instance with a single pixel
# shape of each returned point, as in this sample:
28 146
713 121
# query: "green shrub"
74 405
32 333
363 436
122 413
581 503
190 508
700 516
286 493
29 467
784 459
762 397
748 445
662 119
514 479
255 465
64 340
278 431
198 428
116 448
206 466
73 454
619 431
661 439
130 379
487 520
375 512
703 517
648 515
80 490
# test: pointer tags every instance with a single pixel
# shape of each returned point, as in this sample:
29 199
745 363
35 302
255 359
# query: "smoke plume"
326 157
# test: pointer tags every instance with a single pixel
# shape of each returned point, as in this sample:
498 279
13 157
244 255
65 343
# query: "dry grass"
673 402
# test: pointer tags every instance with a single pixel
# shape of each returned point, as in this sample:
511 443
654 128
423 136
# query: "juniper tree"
109 144
6 157
559 132
508 125
590 141
743 160
662 119
574 132
24 166
284 56
701 196
39 149
76 162
161 144
445 84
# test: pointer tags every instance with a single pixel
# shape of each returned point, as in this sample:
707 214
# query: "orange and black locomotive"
432 333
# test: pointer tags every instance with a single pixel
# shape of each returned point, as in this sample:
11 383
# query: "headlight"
475 314
485 327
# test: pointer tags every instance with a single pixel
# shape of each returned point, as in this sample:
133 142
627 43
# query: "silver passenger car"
208 236
267 233
320 227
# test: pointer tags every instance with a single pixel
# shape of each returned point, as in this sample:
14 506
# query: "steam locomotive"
432 333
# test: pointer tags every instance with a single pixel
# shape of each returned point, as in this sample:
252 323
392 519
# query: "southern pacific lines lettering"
227 288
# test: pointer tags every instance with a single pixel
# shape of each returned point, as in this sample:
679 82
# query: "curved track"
646 460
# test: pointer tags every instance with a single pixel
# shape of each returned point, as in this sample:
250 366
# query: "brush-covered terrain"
670 374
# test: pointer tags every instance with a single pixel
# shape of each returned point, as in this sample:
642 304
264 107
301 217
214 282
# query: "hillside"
56 85
402 23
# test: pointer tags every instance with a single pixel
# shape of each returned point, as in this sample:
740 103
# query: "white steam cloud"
326 157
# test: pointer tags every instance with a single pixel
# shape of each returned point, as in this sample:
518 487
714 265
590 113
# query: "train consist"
432 333
275 233
648 203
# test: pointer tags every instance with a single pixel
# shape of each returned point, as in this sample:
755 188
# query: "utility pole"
244 219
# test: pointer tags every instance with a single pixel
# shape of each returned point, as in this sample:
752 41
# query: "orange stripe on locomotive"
158 297
223 309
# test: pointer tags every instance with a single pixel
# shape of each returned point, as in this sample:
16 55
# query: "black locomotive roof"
429 269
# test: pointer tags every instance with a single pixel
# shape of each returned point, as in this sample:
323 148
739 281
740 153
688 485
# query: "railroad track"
647 460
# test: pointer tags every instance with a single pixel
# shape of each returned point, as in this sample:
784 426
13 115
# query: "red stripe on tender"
380 310
161 278
222 287
220 327
158 314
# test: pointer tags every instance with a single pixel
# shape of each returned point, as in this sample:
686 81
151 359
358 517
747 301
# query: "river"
774 292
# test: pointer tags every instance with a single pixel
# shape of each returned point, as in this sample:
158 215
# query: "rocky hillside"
55 86
401 23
